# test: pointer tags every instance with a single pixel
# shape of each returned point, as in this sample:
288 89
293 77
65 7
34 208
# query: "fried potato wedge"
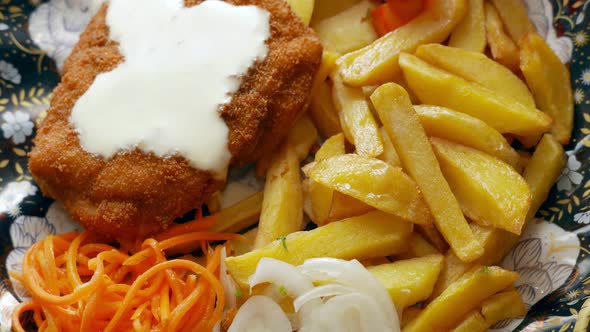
239 216
470 33
489 191
327 8
303 9
433 236
497 307
503 49
418 247
453 268
437 87
549 79
409 314
373 182
466 130
389 154
468 65
282 205
378 62
371 235
515 18
409 281
321 107
344 206
348 30
320 195
409 138
241 247
465 294
357 121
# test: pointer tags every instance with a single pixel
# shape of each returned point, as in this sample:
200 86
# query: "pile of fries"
441 140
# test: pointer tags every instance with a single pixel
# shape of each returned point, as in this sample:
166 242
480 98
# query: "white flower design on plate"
544 257
585 76
26 230
570 178
55 26
582 217
541 14
13 194
3 26
9 72
17 125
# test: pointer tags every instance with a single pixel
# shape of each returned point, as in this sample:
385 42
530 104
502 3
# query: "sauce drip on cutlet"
181 64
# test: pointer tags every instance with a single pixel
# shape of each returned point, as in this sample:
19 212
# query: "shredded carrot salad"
79 282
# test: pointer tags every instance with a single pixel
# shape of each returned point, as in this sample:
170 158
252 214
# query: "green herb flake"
238 293
283 291
485 269
283 240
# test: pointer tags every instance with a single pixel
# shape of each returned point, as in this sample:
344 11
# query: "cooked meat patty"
134 193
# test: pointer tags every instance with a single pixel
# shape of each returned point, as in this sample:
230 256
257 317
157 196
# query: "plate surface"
552 257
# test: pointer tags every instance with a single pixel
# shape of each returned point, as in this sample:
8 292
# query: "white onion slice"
281 274
227 282
319 292
355 309
260 314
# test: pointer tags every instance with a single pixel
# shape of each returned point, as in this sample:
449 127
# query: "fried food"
135 193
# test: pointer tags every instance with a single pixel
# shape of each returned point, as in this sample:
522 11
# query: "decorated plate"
552 256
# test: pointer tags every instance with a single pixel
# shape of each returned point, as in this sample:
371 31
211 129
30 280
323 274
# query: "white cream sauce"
181 64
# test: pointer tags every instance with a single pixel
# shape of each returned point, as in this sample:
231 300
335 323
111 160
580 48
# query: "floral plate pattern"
552 257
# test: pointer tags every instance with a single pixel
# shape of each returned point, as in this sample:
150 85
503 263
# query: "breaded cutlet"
135 194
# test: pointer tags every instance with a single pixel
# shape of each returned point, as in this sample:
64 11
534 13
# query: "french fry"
470 33
409 281
503 49
389 154
321 107
418 247
239 216
409 314
467 130
409 138
452 269
433 236
328 8
301 138
515 19
468 65
549 79
501 306
333 146
241 247
371 235
465 294
357 121
378 62
344 206
437 87
370 181
490 191
348 30
303 9
282 205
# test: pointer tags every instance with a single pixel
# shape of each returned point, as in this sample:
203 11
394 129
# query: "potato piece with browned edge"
437 87
240 247
303 9
508 304
409 281
282 205
373 182
371 235
418 247
328 8
453 268
344 206
357 121
320 195
378 63
470 33
239 216
549 79
468 65
321 107
465 294
409 314
433 236
515 18
411 143
489 191
467 130
347 31
503 49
